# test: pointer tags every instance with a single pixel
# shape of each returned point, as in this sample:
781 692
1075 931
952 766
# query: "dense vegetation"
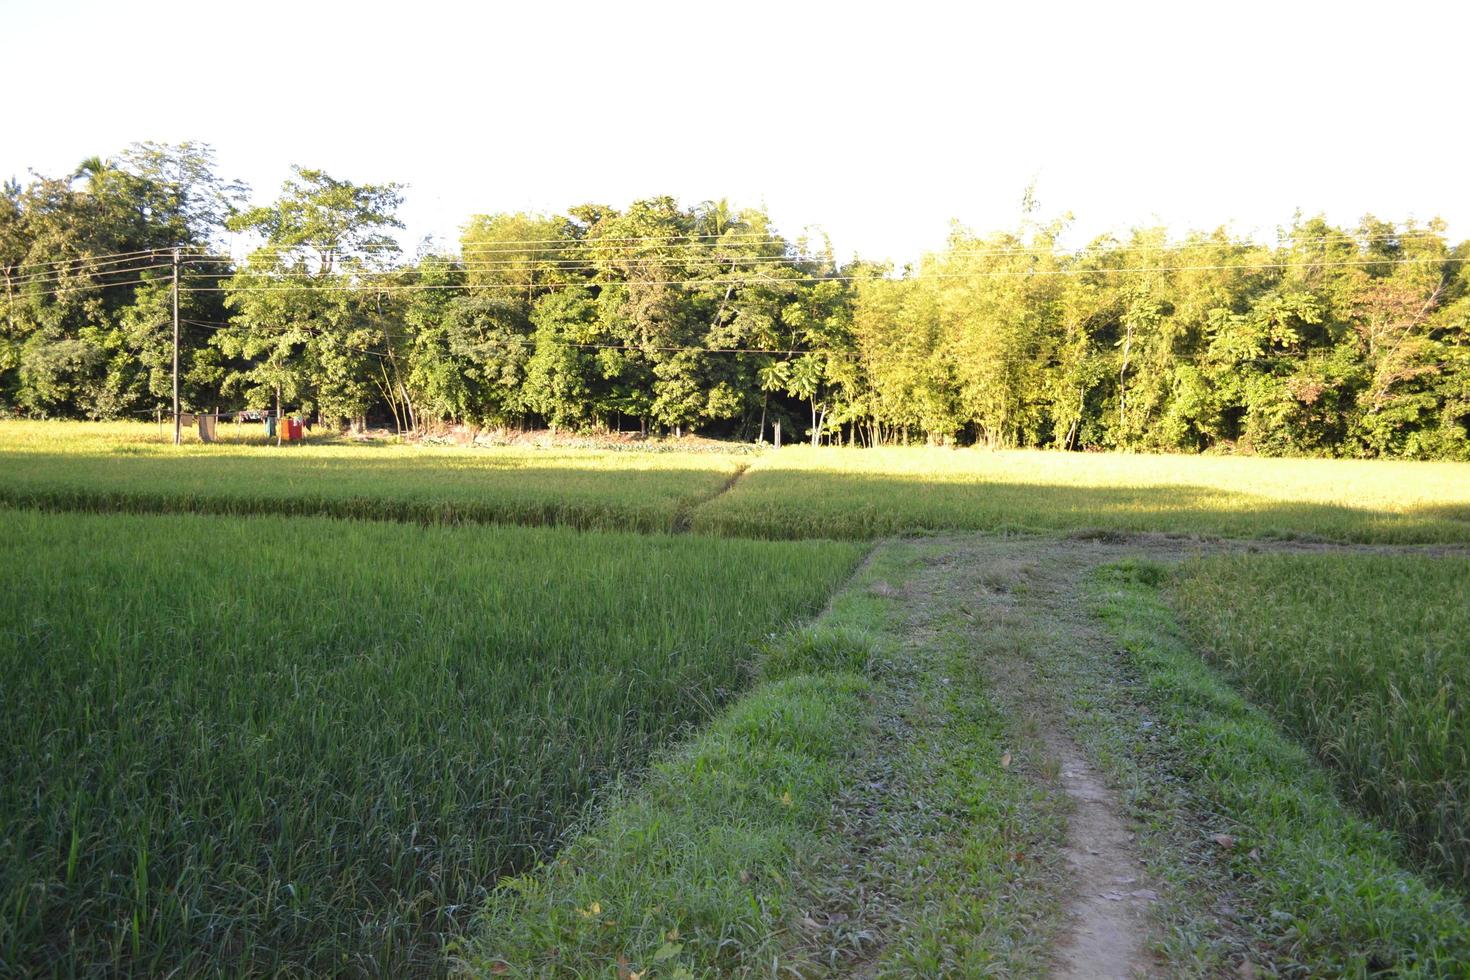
1365 658
1332 341
259 745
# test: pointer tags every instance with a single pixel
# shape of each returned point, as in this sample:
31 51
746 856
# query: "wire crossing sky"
876 124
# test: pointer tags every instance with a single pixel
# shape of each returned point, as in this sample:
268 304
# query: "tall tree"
304 302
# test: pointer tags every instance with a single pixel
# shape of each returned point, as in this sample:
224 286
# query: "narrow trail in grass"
1020 604
683 521
1109 906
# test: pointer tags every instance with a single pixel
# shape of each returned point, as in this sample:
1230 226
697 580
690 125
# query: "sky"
876 124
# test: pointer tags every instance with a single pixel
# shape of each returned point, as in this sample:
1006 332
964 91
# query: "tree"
303 303
85 326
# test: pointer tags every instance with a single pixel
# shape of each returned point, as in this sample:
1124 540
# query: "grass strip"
1246 818
1365 658
698 871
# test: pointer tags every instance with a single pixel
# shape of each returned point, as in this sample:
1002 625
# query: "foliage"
1334 342
307 317
85 314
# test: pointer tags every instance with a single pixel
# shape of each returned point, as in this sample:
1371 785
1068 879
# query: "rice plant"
311 746
868 493
795 493
132 467
1366 658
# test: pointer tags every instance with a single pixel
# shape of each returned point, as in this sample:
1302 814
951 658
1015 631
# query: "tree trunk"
1122 388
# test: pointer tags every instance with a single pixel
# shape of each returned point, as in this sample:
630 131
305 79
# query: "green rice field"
1365 658
310 745
312 710
135 467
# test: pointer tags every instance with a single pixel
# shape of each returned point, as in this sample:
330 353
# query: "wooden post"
176 347
778 433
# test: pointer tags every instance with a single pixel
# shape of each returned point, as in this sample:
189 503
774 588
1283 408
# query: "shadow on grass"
805 504
425 489
555 490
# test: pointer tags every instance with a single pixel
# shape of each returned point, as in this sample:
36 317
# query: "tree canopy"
1343 341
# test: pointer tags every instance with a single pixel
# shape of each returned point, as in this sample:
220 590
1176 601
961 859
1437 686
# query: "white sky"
879 123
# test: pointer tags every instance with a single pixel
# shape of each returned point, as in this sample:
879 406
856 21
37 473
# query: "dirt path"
1024 619
1001 685
1108 912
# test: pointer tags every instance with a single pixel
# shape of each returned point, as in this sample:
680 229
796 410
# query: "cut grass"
128 467
1315 889
869 493
1364 657
307 745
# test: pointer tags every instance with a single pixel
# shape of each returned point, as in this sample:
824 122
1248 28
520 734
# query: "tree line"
1331 341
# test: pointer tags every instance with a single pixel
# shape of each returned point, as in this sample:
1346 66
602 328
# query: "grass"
130 467
1364 657
852 813
866 493
1245 823
264 745
854 494
700 869
314 746
955 843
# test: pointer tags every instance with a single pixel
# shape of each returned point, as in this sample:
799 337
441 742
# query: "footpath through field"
1043 779
1113 839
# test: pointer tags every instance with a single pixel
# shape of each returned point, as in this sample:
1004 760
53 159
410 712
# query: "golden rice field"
796 492
867 493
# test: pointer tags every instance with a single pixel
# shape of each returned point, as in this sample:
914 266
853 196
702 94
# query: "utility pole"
176 347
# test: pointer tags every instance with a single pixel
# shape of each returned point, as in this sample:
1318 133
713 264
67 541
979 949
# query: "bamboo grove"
1333 341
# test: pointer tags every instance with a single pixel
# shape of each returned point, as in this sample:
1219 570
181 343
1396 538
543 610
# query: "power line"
86 288
87 258
614 243
592 261
749 261
762 279
123 262
78 266
587 258
70 276
715 240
